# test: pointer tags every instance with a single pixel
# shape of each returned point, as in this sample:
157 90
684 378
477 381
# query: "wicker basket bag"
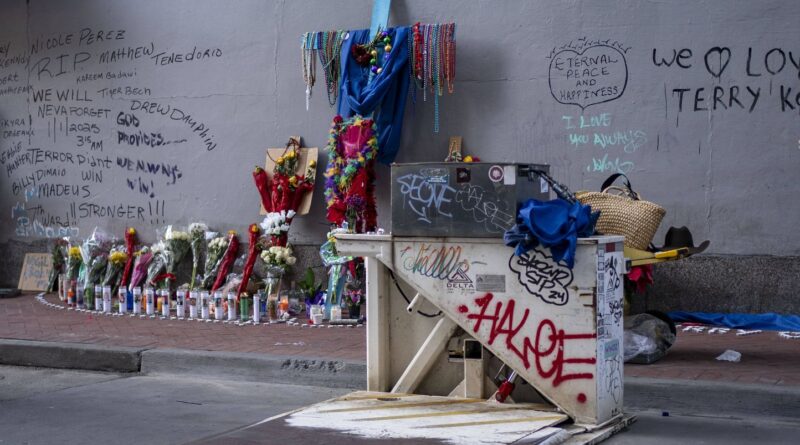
623 212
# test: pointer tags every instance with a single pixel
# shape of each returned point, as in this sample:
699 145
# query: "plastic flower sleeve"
197 241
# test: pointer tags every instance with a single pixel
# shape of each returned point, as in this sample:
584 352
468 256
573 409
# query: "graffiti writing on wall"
743 79
610 146
587 72
546 349
542 276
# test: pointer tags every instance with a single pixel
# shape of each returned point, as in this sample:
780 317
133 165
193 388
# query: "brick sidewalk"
766 358
25 318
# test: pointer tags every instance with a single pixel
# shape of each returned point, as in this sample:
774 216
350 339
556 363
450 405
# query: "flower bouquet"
253 251
284 192
94 254
276 226
157 265
115 267
130 250
227 261
197 240
74 262
215 250
176 247
278 258
143 259
58 261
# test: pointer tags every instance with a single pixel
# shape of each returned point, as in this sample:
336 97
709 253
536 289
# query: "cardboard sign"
35 273
306 156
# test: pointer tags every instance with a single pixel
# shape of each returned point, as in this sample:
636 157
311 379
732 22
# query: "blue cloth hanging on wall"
385 95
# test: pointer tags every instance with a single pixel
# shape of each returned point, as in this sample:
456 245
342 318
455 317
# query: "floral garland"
349 178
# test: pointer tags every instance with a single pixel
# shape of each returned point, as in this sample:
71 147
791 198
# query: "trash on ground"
646 338
730 356
790 335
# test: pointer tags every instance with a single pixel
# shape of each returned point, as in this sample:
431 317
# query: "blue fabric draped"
556 224
769 321
385 95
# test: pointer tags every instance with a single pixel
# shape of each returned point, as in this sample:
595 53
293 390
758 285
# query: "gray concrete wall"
711 134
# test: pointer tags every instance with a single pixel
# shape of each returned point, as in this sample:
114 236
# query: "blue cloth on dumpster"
769 321
556 224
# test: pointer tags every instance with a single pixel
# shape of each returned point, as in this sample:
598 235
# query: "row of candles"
158 301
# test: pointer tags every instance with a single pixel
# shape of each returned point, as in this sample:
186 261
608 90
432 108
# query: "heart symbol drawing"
595 75
723 53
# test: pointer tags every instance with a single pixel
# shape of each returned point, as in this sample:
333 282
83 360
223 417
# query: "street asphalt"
58 406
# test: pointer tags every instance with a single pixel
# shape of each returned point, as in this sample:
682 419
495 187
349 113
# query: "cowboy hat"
681 237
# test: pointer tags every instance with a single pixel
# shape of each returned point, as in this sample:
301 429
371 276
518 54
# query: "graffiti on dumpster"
542 276
439 262
547 347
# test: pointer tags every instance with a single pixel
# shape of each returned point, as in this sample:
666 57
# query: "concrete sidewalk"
278 351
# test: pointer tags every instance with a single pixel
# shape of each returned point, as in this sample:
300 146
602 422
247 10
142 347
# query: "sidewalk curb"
70 355
225 365
257 367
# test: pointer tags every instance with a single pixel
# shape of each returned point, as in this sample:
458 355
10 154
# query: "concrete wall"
696 100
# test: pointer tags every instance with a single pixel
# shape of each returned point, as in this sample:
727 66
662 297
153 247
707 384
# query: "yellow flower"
312 164
74 252
280 161
132 231
467 158
291 155
372 141
357 122
118 257
293 181
361 159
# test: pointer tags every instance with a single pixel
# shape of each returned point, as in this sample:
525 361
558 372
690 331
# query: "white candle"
107 299
150 296
218 311
137 300
179 307
98 298
122 297
165 303
336 313
204 304
256 309
193 304
231 306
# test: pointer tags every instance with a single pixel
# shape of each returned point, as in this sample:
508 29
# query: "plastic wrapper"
227 260
74 260
58 255
197 241
130 251
157 265
215 249
114 267
253 251
143 259
94 253
647 338
176 246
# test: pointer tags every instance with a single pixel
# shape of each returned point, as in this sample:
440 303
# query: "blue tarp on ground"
770 321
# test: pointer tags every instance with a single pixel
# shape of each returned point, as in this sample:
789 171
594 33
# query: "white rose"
291 260
290 214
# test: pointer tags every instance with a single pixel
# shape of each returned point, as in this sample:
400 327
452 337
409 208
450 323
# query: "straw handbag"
623 212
